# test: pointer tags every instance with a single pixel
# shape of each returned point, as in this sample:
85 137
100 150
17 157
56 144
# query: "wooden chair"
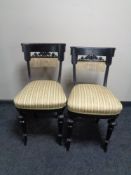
42 95
92 100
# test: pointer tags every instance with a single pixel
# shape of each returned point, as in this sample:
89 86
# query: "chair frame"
40 47
72 117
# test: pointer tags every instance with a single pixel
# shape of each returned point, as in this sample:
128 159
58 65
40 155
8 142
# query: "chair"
92 100
41 95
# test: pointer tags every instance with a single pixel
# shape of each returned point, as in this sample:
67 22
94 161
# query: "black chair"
92 100
42 95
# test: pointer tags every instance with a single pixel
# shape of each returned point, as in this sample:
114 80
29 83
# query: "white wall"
74 22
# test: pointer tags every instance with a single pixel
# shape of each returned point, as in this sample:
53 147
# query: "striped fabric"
91 66
44 62
41 95
93 99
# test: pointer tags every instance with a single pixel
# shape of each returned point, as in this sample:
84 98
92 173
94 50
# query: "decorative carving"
91 58
44 55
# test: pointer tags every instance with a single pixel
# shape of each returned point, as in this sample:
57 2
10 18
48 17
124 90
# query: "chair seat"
41 95
93 99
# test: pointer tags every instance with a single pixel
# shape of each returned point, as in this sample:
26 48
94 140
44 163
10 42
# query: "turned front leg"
70 123
22 122
60 128
111 125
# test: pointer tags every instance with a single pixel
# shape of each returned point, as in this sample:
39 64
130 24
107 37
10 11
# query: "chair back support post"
27 58
28 68
59 73
74 62
106 75
108 63
61 59
74 74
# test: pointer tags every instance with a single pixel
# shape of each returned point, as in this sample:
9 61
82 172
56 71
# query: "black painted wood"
108 52
111 125
106 75
40 47
60 69
28 69
60 128
70 123
22 121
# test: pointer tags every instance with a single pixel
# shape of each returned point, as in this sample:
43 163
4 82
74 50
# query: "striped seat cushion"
93 99
41 95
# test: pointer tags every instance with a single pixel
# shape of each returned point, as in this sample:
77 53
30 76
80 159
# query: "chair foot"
105 146
60 129
25 139
59 139
67 144
70 123
111 125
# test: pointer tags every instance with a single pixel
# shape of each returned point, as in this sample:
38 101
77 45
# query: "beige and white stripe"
41 95
93 99
44 62
91 66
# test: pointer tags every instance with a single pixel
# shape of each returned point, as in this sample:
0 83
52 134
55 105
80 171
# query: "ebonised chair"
41 95
92 100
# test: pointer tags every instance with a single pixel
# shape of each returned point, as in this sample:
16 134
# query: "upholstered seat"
41 95
93 99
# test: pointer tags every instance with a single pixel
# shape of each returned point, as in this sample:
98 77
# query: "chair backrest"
44 50
92 54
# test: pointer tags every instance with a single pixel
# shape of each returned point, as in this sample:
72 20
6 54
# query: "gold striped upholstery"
41 95
93 99
91 66
44 62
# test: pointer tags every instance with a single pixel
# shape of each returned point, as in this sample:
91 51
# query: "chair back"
92 54
46 51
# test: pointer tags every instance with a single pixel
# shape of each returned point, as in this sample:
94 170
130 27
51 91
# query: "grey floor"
43 156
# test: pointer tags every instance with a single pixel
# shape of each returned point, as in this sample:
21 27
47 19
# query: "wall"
75 22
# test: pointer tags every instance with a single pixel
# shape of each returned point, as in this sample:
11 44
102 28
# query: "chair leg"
60 129
22 122
70 123
111 125
97 120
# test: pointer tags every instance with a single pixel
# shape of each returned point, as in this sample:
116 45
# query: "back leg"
111 125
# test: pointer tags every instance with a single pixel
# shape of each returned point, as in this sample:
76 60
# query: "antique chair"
92 100
42 95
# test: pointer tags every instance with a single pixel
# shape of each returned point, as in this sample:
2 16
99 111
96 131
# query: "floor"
43 156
